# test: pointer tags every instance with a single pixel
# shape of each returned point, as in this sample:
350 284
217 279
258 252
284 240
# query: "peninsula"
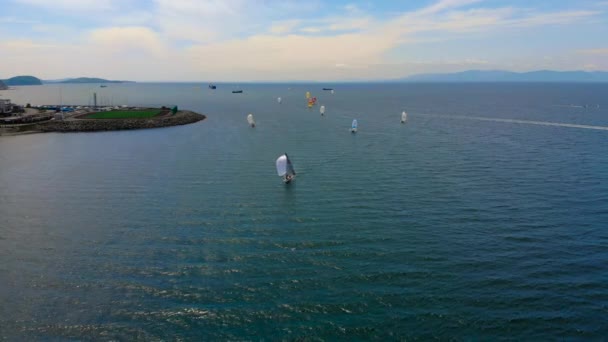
90 119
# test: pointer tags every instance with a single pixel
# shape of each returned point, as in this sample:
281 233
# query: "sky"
286 40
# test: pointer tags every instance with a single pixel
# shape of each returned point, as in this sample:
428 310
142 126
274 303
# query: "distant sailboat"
353 127
322 110
403 117
250 120
279 100
332 91
285 168
307 95
211 86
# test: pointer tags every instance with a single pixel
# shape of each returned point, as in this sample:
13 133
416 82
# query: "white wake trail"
525 122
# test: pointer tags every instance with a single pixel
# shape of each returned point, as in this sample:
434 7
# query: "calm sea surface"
450 226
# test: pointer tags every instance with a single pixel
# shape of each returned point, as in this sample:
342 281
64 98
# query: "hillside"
508 76
22 80
88 80
3 86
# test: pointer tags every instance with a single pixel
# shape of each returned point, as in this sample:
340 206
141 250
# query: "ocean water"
474 220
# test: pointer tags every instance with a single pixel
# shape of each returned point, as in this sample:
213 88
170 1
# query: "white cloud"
443 5
311 29
72 5
14 20
240 39
127 39
596 52
350 24
285 26
200 8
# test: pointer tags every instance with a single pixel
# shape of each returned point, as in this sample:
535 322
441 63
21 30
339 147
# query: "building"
6 107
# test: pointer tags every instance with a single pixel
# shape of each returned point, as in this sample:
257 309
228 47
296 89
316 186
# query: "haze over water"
450 226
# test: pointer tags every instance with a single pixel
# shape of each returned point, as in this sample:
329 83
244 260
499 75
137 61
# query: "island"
22 81
87 80
32 80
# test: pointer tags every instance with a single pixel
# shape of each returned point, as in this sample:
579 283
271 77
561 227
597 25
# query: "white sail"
353 127
282 165
332 91
322 110
290 170
285 168
250 120
279 100
403 117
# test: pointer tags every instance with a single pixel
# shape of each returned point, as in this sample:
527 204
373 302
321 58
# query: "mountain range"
509 76
464 76
84 80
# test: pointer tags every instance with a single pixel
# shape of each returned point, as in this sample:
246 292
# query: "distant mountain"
22 80
508 76
3 86
85 80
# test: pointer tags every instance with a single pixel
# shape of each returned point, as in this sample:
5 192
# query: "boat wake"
525 122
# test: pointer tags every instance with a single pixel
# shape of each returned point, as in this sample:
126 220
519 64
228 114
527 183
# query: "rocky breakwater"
182 117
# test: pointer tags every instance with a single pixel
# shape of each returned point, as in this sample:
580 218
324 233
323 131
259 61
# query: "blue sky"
241 40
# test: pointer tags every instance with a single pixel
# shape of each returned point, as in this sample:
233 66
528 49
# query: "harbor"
28 119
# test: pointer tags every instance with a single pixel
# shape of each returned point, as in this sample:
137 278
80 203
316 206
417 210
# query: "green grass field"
124 114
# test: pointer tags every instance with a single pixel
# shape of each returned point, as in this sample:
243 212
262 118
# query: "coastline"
182 117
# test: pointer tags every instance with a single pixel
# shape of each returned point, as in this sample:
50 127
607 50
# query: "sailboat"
353 127
403 117
250 120
285 169
279 100
322 110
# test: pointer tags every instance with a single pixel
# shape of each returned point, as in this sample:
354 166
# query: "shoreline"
72 125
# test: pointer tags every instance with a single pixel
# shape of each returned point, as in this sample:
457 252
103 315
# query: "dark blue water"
445 227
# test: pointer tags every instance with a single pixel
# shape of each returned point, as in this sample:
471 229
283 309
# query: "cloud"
127 39
552 18
284 26
311 29
241 39
72 5
350 24
24 45
444 5
266 52
595 52
201 8
15 20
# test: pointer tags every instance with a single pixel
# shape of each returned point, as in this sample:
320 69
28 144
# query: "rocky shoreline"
182 117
